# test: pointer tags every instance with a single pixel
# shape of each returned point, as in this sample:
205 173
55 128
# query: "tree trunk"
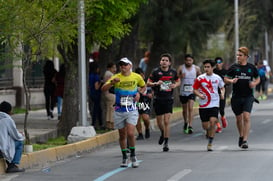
70 110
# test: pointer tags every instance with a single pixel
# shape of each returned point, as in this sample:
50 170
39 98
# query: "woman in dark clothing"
59 79
95 94
49 87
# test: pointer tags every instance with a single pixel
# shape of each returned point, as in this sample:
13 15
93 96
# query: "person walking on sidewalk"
144 109
244 77
221 71
206 88
187 74
11 141
126 85
49 88
163 80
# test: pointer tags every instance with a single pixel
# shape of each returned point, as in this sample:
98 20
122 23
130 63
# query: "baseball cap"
125 61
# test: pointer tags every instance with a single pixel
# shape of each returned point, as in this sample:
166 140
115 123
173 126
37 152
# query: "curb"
43 158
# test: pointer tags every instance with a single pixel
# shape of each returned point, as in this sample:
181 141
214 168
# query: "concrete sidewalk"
39 127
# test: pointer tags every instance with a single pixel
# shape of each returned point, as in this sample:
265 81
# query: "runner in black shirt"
221 71
163 80
244 77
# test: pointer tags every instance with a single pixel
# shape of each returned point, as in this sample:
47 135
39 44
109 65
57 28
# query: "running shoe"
190 130
240 141
244 145
140 137
147 133
224 121
166 148
264 97
161 140
209 147
218 130
186 129
124 162
134 161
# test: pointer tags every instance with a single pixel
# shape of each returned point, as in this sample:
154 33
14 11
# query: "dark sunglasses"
123 63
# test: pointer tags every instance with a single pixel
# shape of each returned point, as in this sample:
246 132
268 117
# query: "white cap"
265 62
126 60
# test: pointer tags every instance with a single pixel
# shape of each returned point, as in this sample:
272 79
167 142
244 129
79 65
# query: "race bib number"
126 100
187 88
165 86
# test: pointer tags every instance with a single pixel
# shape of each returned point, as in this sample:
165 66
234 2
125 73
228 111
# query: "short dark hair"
5 107
166 55
188 56
211 62
139 70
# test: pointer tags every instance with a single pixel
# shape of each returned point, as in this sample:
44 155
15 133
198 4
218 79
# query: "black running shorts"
242 104
184 99
163 106
207 113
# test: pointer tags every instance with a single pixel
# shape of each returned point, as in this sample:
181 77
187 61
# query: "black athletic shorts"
184 99
242 104
144 107
163 106
207 113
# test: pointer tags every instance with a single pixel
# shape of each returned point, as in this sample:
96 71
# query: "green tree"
180 26
47 25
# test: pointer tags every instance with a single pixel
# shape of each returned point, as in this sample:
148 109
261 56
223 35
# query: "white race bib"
126 100
165 86
187 88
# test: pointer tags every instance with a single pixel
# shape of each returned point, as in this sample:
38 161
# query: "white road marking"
266 121
180 175
9 178
221 148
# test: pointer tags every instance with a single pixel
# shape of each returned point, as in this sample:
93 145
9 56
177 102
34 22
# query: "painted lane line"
9 178
113 172
266 121
180 175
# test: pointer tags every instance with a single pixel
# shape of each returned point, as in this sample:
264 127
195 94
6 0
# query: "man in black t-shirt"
244 77
163 80
221 71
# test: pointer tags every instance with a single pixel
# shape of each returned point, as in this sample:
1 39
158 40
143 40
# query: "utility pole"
82 64
236 20
266 45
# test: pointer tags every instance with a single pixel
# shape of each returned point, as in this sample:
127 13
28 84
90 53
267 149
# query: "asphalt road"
187 159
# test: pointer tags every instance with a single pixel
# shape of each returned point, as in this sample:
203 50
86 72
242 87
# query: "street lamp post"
82 64
236 20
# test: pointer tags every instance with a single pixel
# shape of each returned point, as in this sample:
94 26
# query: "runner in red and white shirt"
206 88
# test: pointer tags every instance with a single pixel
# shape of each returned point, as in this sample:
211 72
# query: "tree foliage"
45 26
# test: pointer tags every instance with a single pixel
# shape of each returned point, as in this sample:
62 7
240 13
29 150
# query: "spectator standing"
49 87
143 64
187 74
126 85
11 141
163 80
206 88
260 88
144 109
108 97
221 71
268 75
95 94
244 77
59 80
